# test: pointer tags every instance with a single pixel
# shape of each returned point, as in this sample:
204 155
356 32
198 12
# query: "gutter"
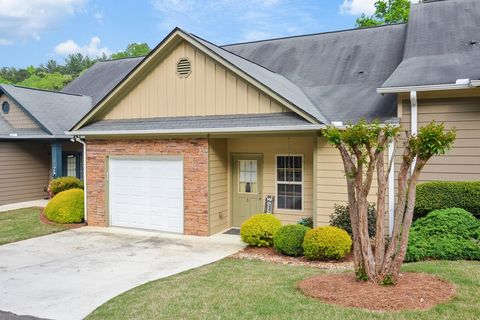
79 140
460 84
311 127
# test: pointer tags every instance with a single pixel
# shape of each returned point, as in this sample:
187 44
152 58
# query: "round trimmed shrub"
66 207
258 231
448 234
64 183
327 243
288 239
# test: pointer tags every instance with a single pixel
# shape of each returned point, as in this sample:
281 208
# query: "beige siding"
270 147
331 182
17 118
218 185
210 89
462 163
24 171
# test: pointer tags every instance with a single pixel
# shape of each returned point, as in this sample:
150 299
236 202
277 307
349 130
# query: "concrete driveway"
69 274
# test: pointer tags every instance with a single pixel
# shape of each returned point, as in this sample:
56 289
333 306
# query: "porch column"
57 169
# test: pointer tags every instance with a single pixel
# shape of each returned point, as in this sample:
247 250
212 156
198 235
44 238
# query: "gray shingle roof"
201 122
338 71
275 81
101 78
439 47
56 112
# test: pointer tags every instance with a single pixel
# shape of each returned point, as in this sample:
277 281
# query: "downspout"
413 117
84 153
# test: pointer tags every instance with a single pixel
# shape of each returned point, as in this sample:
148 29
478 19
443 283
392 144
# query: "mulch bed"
269 254
413 291
44 220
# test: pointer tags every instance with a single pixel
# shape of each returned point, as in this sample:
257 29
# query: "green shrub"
64 183
307 222
325 243
259 230
447 234
288 239
442 195
66 207
340 218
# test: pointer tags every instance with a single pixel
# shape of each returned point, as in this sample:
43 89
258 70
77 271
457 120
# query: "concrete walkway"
20 205
68 274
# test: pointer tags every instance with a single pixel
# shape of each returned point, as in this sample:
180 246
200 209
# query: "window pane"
247 176
289 203
281 174
298 175
281 162
298 203
298 162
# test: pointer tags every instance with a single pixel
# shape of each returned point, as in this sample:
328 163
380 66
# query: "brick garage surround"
195 157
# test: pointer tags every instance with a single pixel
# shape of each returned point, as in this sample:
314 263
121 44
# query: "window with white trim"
289 182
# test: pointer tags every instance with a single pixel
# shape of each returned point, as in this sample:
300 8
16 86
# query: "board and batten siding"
218 185
16 117
24 171
270 147
331 182
210 89
462 163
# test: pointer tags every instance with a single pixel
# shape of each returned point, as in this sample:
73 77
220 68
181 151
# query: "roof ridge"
311 34
45 90
119 59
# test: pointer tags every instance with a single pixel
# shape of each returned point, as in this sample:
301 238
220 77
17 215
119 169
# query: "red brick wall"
195 155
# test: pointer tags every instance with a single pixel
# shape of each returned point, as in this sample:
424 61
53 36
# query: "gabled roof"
272 84
338 71
442 44
98 80
55 112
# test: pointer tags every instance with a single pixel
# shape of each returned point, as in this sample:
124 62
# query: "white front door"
146 193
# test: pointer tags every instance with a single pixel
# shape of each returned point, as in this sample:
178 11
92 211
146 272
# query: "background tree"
362 148
133 50
386 12
54 76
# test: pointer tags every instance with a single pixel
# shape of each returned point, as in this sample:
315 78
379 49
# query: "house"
33 145
194 138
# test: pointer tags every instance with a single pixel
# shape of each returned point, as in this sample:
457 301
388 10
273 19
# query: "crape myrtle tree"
363 148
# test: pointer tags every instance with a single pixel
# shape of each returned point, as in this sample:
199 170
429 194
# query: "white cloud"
357 7
245 20
92 49
22 20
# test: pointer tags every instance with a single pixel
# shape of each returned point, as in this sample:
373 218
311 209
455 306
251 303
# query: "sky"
34 31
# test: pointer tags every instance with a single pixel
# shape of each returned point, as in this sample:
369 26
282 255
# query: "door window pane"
247 176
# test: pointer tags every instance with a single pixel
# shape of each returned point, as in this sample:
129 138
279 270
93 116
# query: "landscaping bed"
268 254
413 291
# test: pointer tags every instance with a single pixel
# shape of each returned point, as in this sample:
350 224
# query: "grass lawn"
242 289
23 224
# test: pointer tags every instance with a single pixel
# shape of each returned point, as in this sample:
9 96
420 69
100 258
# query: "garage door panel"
146 193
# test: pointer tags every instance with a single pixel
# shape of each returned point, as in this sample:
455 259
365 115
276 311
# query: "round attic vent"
184 68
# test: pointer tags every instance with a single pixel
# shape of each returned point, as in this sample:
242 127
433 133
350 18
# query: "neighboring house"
194 137
33 145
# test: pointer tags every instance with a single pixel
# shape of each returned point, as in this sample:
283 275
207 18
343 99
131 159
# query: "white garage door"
146 193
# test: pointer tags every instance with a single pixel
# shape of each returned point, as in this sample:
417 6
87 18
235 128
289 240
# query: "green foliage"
325 243
133 50
442 194
388 280
288 239
340 218
307 222
447 234
431 140
46 81
64 183
54 76
66 207
259 230
386 12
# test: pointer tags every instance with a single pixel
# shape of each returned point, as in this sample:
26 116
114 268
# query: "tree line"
54 76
